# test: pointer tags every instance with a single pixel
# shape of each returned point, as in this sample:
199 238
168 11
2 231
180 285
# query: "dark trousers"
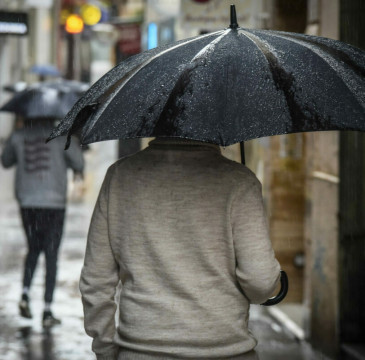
43 228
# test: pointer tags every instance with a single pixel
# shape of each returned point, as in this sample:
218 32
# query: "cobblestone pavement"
22 339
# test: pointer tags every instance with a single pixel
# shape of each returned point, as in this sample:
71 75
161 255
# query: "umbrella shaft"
242 147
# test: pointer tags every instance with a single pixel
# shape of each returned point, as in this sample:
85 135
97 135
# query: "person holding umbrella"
41 180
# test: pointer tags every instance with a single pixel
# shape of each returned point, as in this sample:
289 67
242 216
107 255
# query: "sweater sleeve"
74 157
99 279
257 270
8 156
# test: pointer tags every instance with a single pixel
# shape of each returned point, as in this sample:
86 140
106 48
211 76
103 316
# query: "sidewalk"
22 339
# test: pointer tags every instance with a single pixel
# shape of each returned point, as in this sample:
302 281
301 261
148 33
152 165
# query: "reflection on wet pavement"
36 347
277 343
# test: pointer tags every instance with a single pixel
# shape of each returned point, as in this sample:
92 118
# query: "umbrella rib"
330 59
172 106
209 48
139 67
339 55
284 81
116 87
91 96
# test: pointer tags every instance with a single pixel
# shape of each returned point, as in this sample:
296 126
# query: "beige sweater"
184 231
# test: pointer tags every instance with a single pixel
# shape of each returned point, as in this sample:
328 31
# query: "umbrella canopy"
51 99
226 87
45 70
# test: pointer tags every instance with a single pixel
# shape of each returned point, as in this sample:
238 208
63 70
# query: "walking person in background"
184 231
40 189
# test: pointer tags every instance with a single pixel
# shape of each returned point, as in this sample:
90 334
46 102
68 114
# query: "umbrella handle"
282 293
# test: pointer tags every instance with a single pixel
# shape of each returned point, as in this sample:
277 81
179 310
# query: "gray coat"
41 169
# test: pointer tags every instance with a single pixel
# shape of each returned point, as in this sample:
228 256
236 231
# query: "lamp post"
74 25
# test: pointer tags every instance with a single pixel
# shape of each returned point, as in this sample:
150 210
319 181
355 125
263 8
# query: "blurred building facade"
83 56
351 246
315 198
322 206
18 52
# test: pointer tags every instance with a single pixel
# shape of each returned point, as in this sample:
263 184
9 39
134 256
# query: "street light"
91 14
74 24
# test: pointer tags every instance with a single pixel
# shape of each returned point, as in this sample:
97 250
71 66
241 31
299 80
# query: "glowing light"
74 24
91 14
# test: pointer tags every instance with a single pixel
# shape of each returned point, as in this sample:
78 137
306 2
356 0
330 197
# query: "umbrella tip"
233 24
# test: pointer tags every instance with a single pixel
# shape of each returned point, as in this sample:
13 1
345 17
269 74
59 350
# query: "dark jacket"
41 169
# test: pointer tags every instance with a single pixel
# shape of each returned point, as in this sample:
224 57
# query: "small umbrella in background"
50 99
44 70
226 87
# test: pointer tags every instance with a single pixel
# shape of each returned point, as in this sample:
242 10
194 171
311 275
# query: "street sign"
13 23
130 39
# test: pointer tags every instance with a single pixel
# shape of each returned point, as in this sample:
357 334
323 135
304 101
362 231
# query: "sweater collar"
183 144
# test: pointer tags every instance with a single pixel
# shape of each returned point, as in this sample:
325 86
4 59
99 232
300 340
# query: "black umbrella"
226 87
51 99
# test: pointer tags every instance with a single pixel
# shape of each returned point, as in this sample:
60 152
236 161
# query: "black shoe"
24 307
49 320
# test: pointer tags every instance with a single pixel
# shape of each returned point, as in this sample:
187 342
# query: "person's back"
41 169
188 237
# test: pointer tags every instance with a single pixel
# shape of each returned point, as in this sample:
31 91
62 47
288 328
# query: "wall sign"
130 39
13 23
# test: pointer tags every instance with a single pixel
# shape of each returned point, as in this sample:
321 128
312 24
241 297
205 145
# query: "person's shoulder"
237 170
123 163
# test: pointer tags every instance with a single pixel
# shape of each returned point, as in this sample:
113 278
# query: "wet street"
22 339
